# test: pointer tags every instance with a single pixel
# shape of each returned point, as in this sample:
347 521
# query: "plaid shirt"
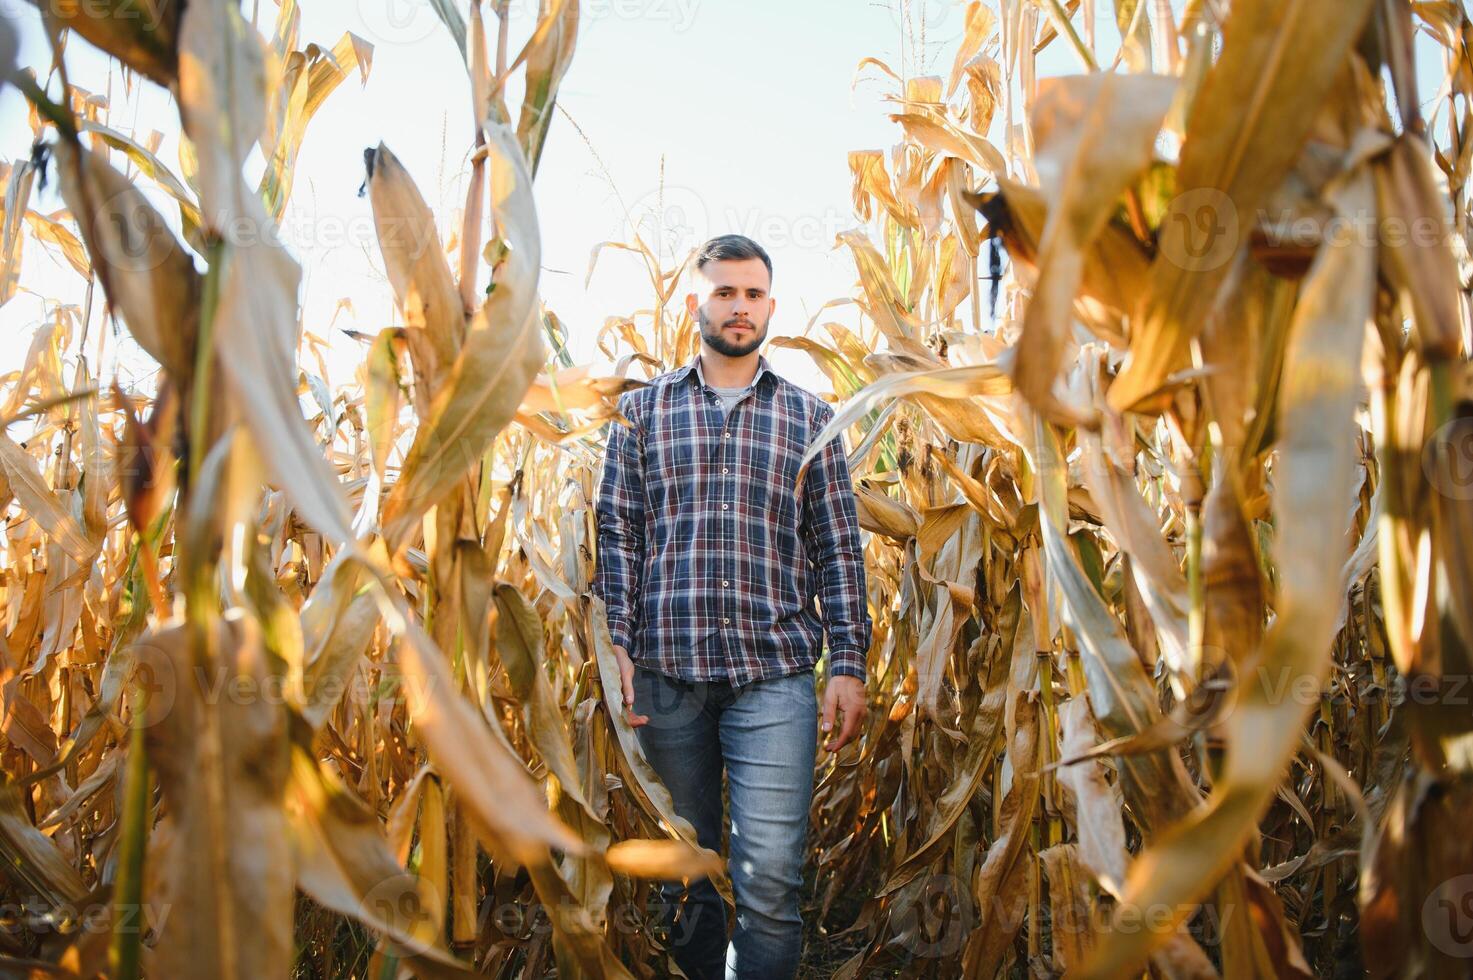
707 556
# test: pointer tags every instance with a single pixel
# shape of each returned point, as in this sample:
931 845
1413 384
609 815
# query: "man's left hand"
845 693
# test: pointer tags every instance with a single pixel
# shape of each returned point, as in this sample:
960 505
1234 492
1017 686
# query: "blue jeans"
766 735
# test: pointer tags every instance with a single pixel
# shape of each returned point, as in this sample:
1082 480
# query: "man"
708 563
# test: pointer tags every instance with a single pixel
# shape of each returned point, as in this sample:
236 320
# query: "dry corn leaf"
1317 463
665 859
1245 131
1095 134
503 352
255 328
147 275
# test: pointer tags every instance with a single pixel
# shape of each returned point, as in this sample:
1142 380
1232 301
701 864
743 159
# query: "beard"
721 345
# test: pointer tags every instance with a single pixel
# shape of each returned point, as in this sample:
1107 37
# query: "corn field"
1160 420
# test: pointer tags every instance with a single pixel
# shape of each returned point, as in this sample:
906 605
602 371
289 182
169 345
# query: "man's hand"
844 692
626 681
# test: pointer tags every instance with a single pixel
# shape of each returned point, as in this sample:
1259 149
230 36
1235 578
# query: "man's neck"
728 372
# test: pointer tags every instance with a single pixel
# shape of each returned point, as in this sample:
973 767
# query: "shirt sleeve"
619 509
830 525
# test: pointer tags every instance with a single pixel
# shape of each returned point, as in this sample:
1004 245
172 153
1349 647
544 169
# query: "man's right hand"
626 681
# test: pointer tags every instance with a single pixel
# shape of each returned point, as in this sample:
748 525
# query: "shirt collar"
694 364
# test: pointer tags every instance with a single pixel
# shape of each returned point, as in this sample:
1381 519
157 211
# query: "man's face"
734 312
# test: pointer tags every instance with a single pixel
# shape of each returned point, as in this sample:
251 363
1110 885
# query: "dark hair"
732 247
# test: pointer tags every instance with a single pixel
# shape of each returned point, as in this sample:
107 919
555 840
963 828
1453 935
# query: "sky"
747 107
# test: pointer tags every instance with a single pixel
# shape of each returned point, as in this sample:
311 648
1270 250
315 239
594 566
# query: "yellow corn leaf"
1316 465
256 328
503 352
1095 134
146 273
1247 126
663 859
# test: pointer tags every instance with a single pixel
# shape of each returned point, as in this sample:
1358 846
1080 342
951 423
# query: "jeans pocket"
800 687
670 703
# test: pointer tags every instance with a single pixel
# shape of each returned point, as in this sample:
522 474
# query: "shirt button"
725 582
726 435
725 470
723 507
725 620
